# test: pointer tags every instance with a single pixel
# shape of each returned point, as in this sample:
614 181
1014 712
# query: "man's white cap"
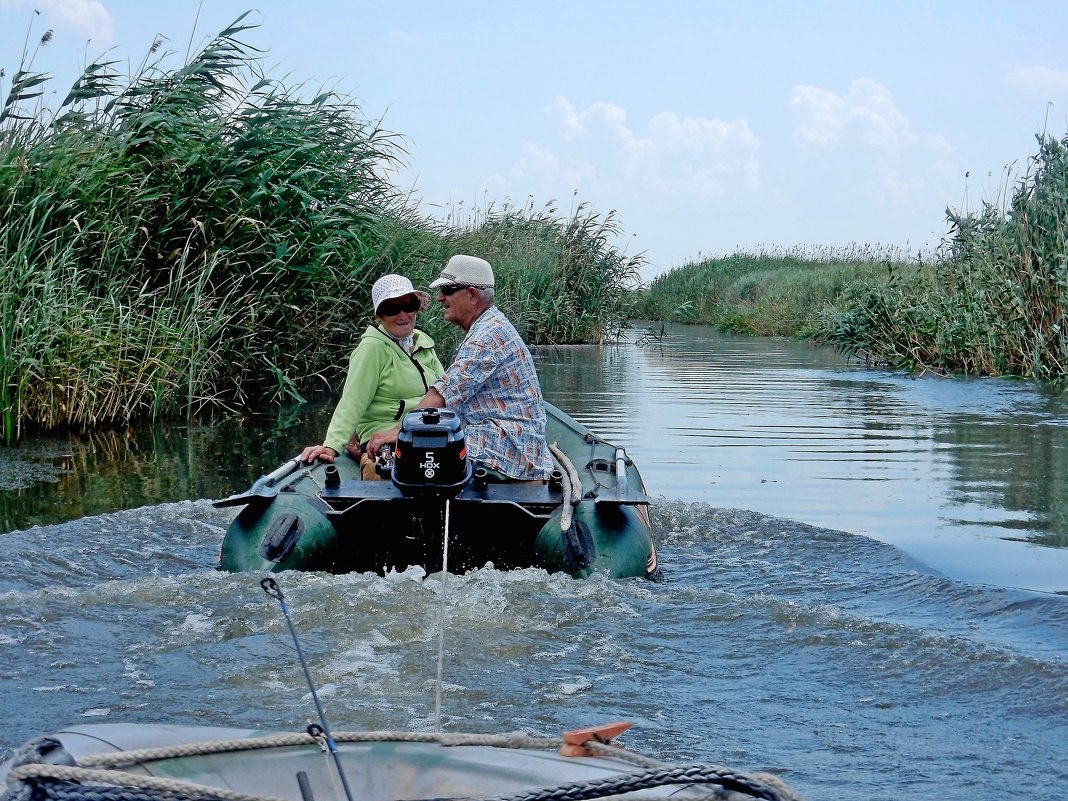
392 286
466 271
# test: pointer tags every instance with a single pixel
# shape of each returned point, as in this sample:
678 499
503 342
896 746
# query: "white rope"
570 481
121 779
333 770
441 617
517 739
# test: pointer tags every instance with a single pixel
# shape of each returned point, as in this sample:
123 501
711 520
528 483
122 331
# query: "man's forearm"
432 399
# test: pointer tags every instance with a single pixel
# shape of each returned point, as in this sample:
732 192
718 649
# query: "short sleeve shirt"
493 386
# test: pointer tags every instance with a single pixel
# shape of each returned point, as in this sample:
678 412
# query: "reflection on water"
50 479
968 475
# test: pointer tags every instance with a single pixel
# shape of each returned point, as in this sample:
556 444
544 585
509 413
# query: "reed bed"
767 291
995 302
560 279
197 238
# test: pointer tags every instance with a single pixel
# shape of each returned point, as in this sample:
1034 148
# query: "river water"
861 583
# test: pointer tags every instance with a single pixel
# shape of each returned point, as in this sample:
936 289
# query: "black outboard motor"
431 456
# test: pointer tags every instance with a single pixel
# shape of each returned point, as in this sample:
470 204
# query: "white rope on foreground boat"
101 771
118 778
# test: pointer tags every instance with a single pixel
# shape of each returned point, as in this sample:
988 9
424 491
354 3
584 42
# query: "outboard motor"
431 455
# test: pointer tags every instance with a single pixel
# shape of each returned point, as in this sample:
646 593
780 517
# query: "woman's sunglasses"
391 308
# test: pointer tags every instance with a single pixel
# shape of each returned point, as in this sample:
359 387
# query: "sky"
704 127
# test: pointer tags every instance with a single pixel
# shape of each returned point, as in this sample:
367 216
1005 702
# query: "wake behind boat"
167 762
591 517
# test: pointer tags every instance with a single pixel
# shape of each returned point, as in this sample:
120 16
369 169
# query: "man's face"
459 303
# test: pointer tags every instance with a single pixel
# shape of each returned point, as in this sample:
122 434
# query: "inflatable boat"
438 511
159 762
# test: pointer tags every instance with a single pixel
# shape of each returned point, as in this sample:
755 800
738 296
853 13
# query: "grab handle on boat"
280 472
621 472
262 490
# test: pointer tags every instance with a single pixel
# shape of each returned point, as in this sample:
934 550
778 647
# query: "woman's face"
397 315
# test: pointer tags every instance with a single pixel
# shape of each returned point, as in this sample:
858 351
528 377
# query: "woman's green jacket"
383 383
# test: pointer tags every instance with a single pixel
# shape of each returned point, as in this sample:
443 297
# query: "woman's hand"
320 452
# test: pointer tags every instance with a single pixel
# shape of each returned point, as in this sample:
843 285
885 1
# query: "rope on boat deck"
121 758
78 778
101 771
571 485
714 775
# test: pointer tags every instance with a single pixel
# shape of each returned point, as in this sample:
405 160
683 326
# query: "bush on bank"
203 237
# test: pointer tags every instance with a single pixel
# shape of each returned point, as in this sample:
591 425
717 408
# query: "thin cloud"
88 17
864 127
537 162
1042 83
866 112
822 115
405 40
707 154
598 149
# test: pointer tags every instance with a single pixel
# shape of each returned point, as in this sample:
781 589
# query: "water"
968 475
856 667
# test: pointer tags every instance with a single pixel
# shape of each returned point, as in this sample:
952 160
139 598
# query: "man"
491 384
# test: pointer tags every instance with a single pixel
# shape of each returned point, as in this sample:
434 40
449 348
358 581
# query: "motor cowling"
431 455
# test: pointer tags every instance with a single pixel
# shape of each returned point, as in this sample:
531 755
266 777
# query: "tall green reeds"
561 279
765 291
167 239
996 301
204 237
993 301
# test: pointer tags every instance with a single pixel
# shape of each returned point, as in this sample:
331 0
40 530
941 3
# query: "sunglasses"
450 289
391 308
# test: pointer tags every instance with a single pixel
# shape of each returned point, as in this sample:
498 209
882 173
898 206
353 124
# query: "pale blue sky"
706 126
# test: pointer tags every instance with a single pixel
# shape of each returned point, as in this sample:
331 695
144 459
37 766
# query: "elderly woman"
391 369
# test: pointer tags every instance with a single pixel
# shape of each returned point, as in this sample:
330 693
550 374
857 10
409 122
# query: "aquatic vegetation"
992 301
561 278
202 237
767 291
995 302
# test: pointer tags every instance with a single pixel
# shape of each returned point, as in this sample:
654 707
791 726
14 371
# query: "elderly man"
491 384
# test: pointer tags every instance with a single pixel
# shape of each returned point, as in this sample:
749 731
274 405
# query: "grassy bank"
202 237
768 292
994 300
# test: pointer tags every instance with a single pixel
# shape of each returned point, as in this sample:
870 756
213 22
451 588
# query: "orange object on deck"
574 741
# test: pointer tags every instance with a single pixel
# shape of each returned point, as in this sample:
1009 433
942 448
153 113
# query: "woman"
390 371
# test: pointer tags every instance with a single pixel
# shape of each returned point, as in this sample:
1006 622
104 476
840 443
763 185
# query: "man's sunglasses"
391 308
450 289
